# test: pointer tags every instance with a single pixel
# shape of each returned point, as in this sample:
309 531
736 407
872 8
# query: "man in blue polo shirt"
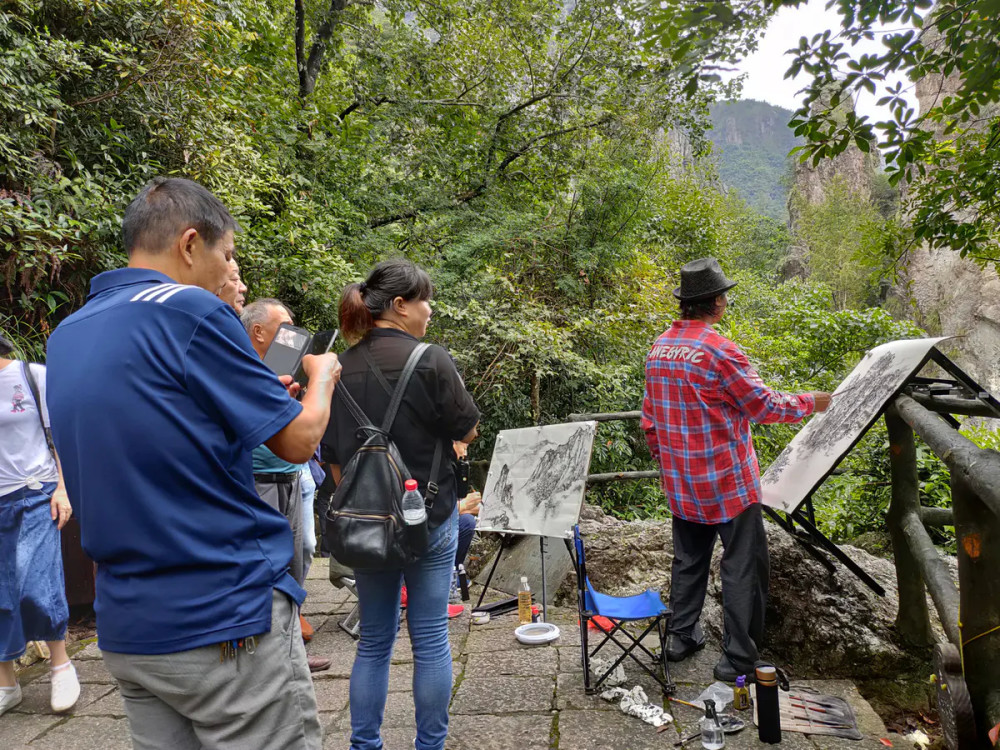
157 400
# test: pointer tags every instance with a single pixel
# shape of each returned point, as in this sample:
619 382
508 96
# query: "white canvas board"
537 479
819 446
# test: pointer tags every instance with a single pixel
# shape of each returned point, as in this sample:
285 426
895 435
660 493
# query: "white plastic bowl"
536 633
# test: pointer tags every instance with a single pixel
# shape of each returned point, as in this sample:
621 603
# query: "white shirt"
25 460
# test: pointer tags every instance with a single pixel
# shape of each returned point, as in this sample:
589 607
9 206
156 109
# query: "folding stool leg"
584 625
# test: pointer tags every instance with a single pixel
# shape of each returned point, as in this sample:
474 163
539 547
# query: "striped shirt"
701 396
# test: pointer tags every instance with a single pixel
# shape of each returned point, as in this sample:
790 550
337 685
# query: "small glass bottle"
524 601
741 696
712 736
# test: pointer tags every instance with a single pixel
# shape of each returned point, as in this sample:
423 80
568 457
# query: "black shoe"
679 649
724 671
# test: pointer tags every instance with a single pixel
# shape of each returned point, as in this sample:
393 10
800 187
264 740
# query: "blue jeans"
32 593
308 487
428 583
466 531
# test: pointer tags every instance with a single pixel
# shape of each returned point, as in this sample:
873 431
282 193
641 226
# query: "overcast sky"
766 68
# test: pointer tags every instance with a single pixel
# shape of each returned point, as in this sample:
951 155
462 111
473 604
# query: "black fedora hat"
702 279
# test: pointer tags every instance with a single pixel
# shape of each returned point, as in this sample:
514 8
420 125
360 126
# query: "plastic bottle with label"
524 601
414 516
414 511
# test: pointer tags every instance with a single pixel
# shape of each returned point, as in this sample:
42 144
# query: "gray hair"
258 311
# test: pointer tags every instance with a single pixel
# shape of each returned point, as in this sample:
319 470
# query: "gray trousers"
745 573
191 700
287 500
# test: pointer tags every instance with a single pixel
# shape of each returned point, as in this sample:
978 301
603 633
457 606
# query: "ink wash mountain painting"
858 401
537 479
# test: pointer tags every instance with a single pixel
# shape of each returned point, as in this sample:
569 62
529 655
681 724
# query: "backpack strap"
29 378
404 380
394 404
366 352
390 415
352 406
432 485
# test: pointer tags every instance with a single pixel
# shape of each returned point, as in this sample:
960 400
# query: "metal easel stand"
541 604
504 603
814 538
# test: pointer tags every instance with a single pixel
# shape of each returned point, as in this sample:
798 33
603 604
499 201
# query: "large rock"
818 624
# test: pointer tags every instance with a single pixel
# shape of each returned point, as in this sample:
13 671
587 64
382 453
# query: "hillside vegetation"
515 151
751 141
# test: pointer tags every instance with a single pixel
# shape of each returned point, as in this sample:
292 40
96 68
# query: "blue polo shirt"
156 401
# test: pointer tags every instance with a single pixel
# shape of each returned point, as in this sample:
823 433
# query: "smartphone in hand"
289 345
321 343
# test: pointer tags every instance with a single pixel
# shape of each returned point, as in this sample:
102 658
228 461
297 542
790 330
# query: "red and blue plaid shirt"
701 396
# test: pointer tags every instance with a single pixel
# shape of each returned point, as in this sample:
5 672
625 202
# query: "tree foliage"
945 153
538 157
845 239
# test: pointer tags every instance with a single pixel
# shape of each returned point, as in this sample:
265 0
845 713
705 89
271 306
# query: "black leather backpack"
365 527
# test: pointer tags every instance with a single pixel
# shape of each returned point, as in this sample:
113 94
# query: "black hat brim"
704 295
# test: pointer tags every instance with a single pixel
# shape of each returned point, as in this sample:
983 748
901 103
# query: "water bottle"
768 714
712 736
524 601
415 517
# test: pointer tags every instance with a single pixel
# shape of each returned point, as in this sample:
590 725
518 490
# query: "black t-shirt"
436 408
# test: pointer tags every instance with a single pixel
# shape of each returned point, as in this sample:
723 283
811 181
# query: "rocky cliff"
948 295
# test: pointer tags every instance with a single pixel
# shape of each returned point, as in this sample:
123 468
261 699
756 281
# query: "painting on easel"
858 401
537 479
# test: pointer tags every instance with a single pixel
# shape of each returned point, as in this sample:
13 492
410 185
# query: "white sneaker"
65 688
10 698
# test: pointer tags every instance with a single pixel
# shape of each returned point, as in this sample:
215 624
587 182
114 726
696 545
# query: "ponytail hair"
362 304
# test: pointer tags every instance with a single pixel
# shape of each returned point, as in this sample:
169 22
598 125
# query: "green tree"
844 238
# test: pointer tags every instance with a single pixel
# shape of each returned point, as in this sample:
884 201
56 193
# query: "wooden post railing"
912 619
971 614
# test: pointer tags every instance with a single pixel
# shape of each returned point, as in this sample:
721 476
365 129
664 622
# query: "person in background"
33 510
157 400
468 516
278 482
311 477
384 318
701 396
233 292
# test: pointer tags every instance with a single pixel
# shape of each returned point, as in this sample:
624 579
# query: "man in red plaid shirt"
701 396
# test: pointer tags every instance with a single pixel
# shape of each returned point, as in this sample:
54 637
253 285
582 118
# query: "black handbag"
365 527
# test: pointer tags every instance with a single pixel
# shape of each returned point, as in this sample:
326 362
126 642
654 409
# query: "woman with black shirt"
385 317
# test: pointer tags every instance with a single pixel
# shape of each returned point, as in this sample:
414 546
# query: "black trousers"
745 572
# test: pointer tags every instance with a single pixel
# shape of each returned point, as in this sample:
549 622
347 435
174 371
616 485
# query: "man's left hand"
60 508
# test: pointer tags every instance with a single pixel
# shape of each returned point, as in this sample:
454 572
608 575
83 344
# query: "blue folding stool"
619 609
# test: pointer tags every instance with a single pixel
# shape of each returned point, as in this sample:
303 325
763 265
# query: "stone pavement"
505 695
